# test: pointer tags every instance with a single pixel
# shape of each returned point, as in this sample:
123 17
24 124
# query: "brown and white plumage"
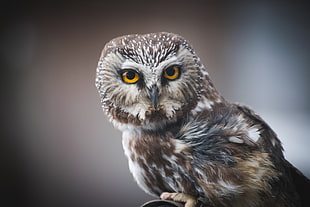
182 137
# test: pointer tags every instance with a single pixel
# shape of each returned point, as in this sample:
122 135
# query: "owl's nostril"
153 96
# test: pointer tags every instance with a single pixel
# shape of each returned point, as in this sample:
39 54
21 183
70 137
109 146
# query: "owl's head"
149 79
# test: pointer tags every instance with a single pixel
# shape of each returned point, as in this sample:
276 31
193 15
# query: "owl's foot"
189 201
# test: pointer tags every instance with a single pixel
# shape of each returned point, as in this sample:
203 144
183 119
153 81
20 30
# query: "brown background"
60 150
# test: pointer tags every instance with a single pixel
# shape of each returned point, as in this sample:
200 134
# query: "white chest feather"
137 172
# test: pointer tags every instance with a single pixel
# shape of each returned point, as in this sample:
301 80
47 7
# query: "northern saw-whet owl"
183 140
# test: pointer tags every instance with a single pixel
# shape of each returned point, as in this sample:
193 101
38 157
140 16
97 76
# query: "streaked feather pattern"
194 143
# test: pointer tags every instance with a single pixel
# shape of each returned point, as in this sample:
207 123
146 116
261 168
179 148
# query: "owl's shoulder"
238 122
268 139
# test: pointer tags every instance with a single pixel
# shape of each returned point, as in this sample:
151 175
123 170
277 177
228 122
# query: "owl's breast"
158 162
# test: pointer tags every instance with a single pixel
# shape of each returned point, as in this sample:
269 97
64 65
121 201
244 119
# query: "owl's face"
147 79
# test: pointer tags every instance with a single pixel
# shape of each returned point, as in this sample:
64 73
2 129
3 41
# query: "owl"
184 141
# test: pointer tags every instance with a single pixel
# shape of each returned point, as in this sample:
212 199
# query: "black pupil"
130 75
170 71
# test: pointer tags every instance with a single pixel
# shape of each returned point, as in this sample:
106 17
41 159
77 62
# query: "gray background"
59 148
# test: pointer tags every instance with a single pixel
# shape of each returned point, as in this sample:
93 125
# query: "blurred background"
58 147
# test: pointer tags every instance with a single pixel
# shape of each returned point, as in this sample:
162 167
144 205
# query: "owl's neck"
203 106
155 126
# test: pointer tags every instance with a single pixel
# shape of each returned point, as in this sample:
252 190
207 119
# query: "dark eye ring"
172 72
130 76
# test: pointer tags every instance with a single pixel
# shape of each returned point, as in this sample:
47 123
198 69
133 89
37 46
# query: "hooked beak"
153 96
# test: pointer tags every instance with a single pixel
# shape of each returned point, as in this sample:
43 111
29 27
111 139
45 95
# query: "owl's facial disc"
151 78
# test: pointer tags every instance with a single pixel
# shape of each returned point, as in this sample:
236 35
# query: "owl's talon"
189 201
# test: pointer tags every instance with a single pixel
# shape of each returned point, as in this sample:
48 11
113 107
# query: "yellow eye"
172 73
130 76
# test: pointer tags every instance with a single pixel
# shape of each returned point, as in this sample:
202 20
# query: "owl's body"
182 137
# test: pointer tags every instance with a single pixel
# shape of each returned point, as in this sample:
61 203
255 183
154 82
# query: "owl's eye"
130 76
172 72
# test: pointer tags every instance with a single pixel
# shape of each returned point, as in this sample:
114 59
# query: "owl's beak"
153 96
